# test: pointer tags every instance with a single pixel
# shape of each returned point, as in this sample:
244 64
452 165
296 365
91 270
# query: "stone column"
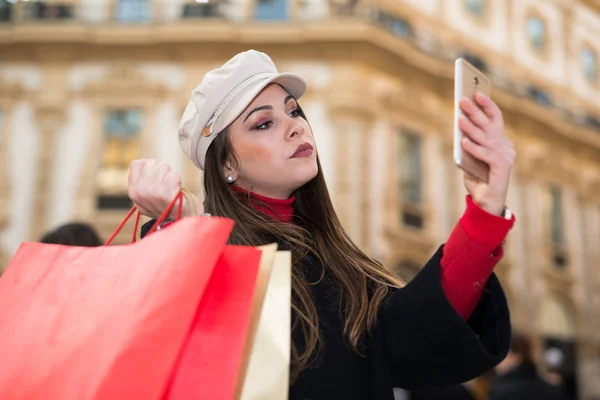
50 105
9 94
350 190
50 119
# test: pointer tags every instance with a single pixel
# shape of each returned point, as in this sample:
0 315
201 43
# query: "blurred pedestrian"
518 376
73 234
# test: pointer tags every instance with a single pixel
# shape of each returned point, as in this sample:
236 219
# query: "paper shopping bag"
267 375
212 355
105 322
262 281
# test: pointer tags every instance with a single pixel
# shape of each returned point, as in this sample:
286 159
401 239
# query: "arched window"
122 129
536 33
132 10
410 176
476 7
588 59
271 10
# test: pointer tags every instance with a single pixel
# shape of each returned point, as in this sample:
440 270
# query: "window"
557 218
397 26
476 61
475 7
271 10
592 122
557 234
410 149
6 10
409 167
133 10
589 64
122 129
536 32
200 10
539 96
47 11
342 7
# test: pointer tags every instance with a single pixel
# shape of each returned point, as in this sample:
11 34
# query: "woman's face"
274 145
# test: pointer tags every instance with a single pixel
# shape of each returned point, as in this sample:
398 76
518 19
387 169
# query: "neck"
281 210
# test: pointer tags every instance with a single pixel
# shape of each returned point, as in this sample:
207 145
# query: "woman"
357 331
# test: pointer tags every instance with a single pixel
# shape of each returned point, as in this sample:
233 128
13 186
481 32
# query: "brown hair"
363 282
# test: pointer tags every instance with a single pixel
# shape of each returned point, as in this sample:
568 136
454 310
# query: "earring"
229 179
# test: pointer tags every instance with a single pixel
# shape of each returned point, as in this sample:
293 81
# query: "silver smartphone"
468 80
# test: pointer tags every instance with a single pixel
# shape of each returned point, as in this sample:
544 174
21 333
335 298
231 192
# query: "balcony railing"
156 12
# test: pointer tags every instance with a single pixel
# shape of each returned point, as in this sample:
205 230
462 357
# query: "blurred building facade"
86 86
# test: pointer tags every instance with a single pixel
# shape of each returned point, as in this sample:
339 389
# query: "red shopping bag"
212 356
105 322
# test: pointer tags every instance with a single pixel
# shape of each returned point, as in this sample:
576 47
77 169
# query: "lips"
304 150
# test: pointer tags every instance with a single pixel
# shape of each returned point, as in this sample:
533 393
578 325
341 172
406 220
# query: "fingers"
479 152
473 132
162 170
490 108
501 157
152 186
474 113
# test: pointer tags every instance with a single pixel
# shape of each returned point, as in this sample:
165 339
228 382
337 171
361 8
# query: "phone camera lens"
476 80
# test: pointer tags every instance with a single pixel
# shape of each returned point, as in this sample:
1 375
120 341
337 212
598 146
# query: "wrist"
493 208
192 206
187 210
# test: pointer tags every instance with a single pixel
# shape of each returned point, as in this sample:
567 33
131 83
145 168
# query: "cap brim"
292 83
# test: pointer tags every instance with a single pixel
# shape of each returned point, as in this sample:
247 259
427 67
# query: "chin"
306 173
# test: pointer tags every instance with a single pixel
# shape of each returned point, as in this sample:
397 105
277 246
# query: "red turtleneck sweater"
470 254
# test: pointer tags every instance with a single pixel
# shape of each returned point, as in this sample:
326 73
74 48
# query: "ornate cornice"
542 161
10 93
124 82
589 185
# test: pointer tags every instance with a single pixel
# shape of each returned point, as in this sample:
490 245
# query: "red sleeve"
470 255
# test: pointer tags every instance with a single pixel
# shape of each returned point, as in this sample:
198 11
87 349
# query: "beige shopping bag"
267 374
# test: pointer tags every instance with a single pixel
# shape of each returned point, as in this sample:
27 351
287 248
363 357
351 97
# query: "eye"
264 126
294 113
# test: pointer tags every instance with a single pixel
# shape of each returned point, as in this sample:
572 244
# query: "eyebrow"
267 107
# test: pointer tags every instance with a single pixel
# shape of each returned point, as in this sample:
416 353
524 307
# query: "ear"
230 170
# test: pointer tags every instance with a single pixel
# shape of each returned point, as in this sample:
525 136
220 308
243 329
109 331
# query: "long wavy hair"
363 282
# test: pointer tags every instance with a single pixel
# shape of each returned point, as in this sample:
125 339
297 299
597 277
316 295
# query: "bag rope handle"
160 219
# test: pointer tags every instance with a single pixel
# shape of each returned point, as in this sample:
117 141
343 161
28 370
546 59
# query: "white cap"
224 94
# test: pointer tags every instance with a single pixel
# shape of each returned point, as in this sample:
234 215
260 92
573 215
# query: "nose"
294 129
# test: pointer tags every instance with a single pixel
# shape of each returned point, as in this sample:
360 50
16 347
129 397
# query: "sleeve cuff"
484 230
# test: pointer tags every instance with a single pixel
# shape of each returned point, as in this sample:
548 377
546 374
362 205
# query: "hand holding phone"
468 81
481 147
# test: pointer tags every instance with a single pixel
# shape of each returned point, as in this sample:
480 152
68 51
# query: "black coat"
419 340
523 383
454 392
